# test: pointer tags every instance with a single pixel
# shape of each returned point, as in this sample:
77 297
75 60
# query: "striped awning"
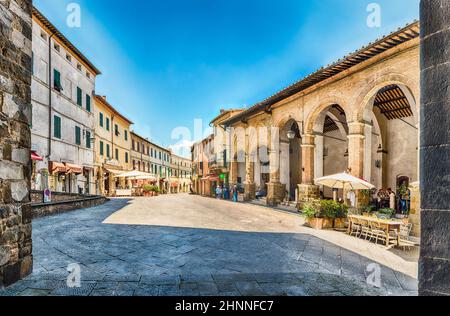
35 156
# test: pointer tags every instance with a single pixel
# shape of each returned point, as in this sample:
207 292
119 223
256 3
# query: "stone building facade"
112 147
63 86
16 260
359 114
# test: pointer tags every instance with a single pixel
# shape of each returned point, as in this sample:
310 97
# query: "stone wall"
434 267
38 196
47 209
15 167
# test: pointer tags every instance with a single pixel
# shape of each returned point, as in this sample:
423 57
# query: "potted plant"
385 213
368 210
341 212
147 189
320 214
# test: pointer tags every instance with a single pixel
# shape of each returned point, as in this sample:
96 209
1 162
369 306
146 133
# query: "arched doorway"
395 137
332 145
290 157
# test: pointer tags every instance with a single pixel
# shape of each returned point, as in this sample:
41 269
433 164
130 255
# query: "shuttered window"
88 139
79 96
57 80
88 103
102 149
101 119
77 135
57 127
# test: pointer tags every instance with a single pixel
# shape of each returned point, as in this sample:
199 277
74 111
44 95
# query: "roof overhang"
410 32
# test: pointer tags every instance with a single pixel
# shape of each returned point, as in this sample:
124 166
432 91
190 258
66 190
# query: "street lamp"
291 135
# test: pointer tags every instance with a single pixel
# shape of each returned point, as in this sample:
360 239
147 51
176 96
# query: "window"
134 164
44 36
126 135
117 154
138 147
57 127
133 145
107 123
57 80
79 97
116 129
57 47
108 151
101 149
101 119
88 75
79 67
88 140
88 103
77 135
126 157
69 58
32 63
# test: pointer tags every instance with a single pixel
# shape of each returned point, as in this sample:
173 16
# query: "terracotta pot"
316 223
320 223
339 223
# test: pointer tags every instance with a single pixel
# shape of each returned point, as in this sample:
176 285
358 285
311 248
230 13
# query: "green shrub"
147 188
325 209
386 212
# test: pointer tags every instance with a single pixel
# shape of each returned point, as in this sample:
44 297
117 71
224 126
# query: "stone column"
434 266
16 260
307 190
356 156
275 190
249 185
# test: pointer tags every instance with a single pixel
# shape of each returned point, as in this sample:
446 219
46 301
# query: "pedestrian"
218 193
235 193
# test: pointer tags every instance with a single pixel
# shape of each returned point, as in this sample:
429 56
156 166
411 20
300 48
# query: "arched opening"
395 141
290 157
331 138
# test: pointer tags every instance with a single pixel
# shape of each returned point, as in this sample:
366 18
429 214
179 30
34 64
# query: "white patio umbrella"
147 177
344 181
132 175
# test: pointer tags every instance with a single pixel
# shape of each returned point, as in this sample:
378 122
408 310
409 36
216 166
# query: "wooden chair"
356 227
365 229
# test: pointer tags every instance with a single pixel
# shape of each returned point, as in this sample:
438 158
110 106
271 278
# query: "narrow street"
189 245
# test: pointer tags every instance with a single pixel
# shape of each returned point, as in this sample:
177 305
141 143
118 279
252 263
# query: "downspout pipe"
49 153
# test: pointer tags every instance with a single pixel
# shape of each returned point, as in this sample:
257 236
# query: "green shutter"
102 152
117 154
77 135
88 139
101 119
126 157
107 123
88 103
57 79
107 151
79 96
126 135
57 127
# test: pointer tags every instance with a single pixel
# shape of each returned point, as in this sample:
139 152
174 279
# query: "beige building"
359 114
180 174
112 147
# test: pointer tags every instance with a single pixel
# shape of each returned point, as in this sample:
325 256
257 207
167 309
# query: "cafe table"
387 225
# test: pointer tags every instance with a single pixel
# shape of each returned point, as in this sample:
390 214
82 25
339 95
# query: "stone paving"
127 247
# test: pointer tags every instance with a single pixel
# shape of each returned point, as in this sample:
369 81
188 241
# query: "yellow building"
112 147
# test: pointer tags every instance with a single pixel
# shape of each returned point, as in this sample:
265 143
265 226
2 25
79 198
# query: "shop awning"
57 167
212 178
113 171
73 169
35 156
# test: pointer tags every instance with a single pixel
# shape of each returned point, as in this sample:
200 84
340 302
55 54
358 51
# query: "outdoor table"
387 224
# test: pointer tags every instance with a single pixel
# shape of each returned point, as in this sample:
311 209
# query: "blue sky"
167 63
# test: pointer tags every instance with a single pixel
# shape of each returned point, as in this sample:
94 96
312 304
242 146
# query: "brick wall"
15 167
434 268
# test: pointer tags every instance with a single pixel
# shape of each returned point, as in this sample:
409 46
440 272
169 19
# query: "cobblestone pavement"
188 245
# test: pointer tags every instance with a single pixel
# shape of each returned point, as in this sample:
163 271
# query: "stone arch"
320 108
409 87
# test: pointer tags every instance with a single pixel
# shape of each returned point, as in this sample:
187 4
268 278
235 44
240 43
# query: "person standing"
235 193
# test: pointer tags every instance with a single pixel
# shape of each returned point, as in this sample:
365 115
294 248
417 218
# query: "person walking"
218 193
235 193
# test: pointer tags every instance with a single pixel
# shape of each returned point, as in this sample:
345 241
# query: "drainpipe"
49 153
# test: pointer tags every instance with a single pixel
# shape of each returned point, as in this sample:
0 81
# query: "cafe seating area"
386 231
